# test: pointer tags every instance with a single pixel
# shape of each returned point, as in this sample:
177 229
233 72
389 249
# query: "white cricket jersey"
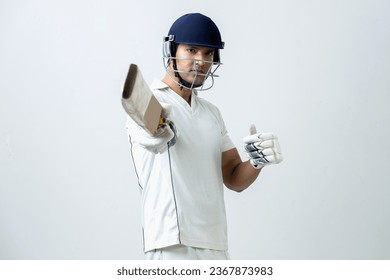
182 188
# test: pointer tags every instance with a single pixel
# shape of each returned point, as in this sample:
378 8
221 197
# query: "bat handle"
162 121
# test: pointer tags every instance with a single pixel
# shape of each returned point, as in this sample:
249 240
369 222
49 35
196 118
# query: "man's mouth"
198 71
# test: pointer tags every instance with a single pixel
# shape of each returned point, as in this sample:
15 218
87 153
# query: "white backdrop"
314 72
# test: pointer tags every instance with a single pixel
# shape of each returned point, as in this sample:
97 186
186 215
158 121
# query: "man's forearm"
243 176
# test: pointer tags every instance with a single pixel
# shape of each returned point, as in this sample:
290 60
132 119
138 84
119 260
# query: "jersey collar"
158 84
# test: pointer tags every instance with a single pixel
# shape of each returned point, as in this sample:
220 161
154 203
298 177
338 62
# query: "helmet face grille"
176 76
196 29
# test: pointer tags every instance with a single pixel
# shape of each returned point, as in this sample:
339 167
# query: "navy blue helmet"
193 29
197 30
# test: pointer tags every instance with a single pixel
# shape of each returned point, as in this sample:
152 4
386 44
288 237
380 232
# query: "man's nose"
199 62
201 58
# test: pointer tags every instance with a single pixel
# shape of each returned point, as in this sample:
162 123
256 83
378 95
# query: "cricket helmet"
193 29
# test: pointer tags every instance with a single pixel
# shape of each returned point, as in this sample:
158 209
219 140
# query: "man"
182 168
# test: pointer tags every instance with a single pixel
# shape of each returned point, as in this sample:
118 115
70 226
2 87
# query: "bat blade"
139 102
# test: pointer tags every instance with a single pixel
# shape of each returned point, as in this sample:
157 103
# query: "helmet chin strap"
183 83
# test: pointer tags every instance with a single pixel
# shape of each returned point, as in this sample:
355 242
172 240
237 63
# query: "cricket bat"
139 102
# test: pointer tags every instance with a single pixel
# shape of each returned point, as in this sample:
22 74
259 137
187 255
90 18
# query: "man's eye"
191 50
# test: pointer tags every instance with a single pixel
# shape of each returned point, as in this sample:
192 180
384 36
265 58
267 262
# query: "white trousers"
181 252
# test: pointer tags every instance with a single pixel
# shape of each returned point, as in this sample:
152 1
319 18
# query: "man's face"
195 61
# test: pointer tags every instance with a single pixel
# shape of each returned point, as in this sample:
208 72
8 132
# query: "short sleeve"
226 142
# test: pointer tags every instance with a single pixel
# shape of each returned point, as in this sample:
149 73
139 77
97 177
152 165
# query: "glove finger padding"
263 149
258 137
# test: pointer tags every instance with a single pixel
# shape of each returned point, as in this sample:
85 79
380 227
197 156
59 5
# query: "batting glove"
262 148
164 137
